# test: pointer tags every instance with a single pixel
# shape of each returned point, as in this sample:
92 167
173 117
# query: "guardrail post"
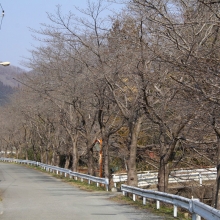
134 197
200 179
174 211
158 204
191 209
89 182
144 200
195 216
97 184
124 193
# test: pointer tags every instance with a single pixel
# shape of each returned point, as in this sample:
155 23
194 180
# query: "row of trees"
147 77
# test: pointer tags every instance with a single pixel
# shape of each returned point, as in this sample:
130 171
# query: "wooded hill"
7 83
8 73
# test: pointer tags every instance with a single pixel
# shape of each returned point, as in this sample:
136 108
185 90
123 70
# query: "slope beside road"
28 194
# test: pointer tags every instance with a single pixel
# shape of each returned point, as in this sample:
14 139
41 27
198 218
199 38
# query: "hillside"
5 91
8 73
7 83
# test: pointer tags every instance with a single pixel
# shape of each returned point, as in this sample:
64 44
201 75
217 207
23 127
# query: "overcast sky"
20 15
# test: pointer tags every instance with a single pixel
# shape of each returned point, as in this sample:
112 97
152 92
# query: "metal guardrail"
194 206
149 177
62 171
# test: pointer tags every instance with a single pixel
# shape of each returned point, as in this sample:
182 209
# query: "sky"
15 37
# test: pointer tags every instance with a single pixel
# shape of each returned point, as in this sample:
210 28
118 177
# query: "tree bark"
90 161
53 158
17 153
57 161
67 162
75 154
41 155
166 161
163 176
106 159
134 127
216 198
26 153
47 156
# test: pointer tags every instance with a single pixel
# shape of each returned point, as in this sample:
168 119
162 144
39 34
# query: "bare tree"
188 34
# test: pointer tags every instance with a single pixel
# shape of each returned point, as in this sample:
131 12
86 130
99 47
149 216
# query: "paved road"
31 195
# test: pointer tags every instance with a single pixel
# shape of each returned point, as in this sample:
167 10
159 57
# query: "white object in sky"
5 63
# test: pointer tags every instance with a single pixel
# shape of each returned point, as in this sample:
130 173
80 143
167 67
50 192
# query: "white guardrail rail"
194 206
61 171
151 177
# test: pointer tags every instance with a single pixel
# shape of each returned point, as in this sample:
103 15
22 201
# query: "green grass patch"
84 185
166 211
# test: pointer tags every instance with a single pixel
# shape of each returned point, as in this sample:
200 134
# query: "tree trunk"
106 158
132 171
26 153
163 176
53 158
166 162
134 128
35 156
90 161
216 198
41 155
47 156
216 193
57 160
6 152
67 162
17 153
75 155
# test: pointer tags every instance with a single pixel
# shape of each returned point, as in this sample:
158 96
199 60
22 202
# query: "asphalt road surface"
28 194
